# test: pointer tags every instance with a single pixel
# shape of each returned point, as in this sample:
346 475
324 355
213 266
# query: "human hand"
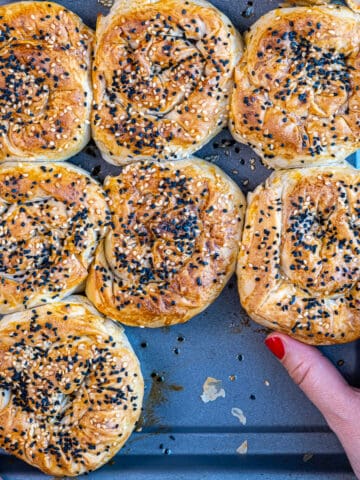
325 387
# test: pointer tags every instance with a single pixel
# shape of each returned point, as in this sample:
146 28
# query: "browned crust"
354 5
299 264
71 388
173 243
51 219
162 77
45 89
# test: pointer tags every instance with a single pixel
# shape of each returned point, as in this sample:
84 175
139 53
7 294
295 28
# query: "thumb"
316 376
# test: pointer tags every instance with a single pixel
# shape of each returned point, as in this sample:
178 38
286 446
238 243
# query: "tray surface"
182 437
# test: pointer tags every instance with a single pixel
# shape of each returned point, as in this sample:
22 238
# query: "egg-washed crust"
173 243
71 388
299 264
162 75
45 82
51 219
296 99
354 5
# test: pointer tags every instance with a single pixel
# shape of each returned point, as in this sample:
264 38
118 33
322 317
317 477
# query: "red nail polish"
276 346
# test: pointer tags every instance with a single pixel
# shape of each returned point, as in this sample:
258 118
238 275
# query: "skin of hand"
325 387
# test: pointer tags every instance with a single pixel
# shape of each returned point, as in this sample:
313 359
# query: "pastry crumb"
239 414
106 3
212 389
307 457
243 449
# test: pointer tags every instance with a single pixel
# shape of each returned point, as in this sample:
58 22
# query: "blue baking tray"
179 436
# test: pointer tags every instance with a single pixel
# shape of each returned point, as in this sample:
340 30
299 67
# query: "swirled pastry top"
45 90
299 265
173 243
162 77
71 388
51 218
297 95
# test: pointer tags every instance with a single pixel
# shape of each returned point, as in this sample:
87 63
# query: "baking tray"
179 436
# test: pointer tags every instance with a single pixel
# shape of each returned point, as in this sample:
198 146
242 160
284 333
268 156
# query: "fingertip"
276 346
281 345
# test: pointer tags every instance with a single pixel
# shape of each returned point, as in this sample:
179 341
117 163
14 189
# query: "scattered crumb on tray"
243 449
307 457
239 414
212 158
212 389
106 3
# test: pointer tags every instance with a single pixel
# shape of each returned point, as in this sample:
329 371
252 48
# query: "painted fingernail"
276 346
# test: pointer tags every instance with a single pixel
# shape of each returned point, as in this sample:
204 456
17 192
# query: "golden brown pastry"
51 219
71 388
45 89
162 76
354 5
299 264
173 243
296 100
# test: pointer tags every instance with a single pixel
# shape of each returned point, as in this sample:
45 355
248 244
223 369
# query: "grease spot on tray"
158 395
243 449
212 389
239 414
242 321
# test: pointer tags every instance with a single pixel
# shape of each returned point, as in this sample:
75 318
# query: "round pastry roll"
45 84
51 219
172 245
299 264
71 388
162 75
296 99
